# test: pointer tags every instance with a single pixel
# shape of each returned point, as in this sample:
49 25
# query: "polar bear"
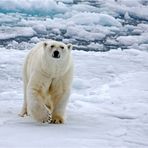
47 77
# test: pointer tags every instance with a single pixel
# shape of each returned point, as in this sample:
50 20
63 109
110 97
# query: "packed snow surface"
108 107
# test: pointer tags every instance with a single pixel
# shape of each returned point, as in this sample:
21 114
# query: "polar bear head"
56 50
57 55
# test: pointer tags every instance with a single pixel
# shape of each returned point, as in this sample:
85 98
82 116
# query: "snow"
107 107
86 18
32 5
135 39
132 7
16 32
83 23
109 98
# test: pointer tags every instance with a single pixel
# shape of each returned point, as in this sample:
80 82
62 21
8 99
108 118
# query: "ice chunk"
95 46
87 18
33 6
35 39
121 7
135 39
81 33
65 1
8 32
40 28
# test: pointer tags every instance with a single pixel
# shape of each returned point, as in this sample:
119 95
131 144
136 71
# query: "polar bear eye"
45 44
52 46
62 47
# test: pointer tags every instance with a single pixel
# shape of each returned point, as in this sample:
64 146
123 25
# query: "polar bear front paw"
46 118
57 119
41 114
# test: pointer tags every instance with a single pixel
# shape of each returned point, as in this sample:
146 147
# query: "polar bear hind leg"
24 107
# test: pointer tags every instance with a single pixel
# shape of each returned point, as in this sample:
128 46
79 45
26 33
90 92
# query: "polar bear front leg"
58 115
36 107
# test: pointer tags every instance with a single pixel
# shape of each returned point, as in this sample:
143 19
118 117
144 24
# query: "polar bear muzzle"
56 54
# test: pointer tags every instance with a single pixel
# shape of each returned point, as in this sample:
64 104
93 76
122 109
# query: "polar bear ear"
44 44
69 46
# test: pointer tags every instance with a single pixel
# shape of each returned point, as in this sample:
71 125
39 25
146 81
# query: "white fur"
47 81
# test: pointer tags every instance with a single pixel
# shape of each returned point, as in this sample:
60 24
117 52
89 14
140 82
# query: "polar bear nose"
56 54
